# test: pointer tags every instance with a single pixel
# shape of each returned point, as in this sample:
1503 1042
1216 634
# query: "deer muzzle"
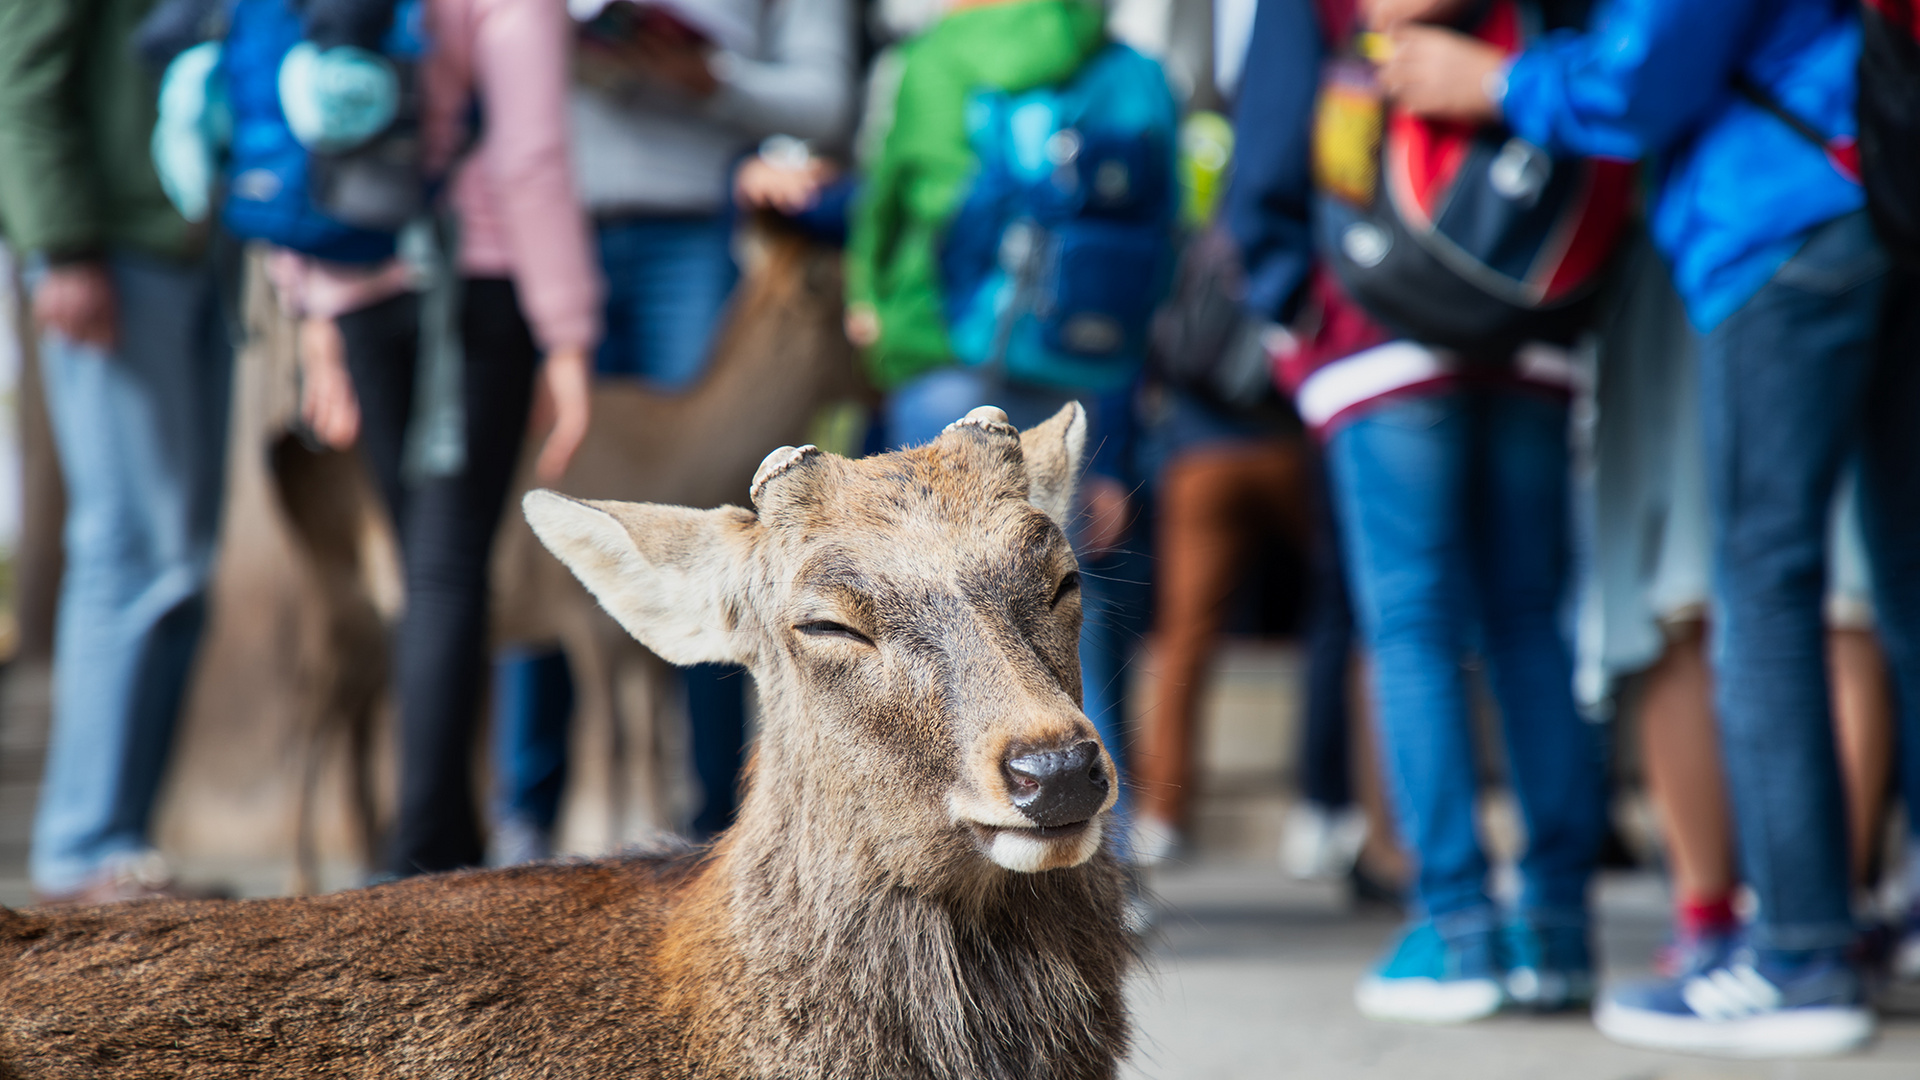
1058 788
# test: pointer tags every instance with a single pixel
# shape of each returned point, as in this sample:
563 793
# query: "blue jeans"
1111 588
1789 386
141 434
1454 521
668 279
533 713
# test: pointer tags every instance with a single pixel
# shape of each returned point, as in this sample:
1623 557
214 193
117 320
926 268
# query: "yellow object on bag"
1347 126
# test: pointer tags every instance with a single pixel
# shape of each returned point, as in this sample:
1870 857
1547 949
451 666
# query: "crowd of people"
1569 350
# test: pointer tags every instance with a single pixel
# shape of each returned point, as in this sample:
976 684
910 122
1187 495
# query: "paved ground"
1250 974
1247 977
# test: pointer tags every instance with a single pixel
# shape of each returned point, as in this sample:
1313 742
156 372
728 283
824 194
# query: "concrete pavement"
1249 977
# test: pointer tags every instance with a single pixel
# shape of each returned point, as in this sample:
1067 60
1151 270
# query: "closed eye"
1068 586
826 628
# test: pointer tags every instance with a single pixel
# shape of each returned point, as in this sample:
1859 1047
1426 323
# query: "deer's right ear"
665 573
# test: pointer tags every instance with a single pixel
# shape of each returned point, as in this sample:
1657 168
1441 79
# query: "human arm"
520 57
782 183
1644 75
804 88
1266 208
1106 504
870 221
315 294
49 199
913 188
76 300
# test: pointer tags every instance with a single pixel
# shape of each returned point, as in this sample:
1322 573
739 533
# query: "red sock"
1695 918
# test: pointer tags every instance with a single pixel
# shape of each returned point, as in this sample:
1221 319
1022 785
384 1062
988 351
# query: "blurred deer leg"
587 807
326 500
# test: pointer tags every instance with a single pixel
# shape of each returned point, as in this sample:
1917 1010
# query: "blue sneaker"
1549 965
1427 979
1687 954
1744 1008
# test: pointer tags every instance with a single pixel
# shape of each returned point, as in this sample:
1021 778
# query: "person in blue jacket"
1748 107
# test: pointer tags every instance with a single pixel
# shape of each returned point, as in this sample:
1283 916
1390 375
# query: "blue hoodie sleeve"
1267 201
1636 83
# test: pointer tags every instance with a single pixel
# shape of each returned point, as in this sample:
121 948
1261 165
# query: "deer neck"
811 961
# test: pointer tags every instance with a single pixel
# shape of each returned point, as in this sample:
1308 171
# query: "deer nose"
1059 787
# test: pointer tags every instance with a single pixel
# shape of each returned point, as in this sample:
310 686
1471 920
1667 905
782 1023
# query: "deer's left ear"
1052 452
666 573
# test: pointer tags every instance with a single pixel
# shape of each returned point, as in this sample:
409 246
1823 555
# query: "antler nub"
776 463
988 418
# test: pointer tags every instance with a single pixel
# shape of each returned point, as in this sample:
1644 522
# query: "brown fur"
851 925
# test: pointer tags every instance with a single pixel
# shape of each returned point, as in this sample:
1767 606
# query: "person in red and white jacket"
1449 476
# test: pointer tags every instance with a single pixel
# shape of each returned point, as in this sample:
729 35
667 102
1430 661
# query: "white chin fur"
1025 853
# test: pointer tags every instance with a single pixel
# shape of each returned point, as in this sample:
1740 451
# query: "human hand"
1443 75
76 301
1107 511
1388 14
789 189
562 403
863 324
327 401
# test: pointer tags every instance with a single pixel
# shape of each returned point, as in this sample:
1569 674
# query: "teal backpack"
1063 244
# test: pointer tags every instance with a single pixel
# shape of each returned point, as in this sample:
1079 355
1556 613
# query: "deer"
917 885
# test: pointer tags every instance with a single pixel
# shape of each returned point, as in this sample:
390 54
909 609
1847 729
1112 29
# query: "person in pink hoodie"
528 319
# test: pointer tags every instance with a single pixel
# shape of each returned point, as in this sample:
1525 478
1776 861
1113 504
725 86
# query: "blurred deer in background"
916 886
779 360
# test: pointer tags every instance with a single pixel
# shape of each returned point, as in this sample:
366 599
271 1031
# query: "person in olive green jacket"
914 186
136 367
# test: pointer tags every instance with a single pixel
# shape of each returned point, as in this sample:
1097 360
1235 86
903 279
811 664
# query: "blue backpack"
1064 243
345 207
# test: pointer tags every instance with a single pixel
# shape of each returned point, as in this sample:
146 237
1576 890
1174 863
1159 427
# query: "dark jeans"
532 716
1326 762
446 527
1892 405
1790 384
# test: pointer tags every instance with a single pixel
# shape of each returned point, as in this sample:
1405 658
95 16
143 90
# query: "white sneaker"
1906 952
1319 846
1154 840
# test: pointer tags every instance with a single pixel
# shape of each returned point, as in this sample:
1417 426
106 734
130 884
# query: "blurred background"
1402 594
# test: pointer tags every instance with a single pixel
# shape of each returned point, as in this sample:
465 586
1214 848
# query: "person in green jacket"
896 305
136 364
914 186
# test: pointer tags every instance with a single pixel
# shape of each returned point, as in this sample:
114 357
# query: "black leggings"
446 526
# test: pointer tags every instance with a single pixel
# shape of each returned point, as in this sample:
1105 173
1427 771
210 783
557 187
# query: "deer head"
912 622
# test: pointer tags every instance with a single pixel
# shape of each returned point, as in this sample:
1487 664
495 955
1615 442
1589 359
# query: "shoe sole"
1427 1001
1806 1032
